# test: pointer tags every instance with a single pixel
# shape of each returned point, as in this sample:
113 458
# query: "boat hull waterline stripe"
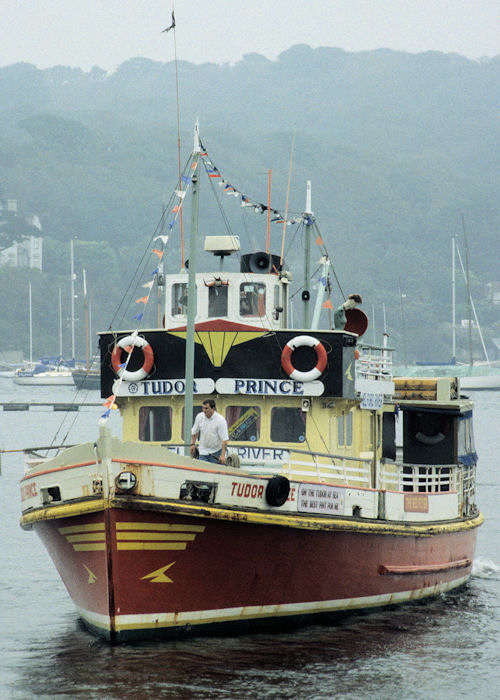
256 612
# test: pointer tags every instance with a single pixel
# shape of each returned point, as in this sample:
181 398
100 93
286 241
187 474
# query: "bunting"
258 207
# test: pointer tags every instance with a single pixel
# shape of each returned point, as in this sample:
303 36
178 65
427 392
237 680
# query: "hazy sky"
105 33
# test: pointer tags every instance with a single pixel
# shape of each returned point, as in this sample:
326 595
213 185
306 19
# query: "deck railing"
374 362
362 473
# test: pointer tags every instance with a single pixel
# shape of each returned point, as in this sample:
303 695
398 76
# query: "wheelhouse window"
252 299
344 429
243 423
466 447
288 425
179 299
155 423
217 300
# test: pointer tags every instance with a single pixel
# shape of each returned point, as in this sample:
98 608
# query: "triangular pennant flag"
328 304
142 300
180 193
185 178
137 317
176 208
148 285
320 241
162 238
323 281
159 253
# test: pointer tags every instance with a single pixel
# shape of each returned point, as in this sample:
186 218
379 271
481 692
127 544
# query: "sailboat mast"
72 302
31 325
469 298
191 309
307 257
453 305
86 312
60 324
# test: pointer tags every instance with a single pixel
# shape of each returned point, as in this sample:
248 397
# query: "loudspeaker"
260 262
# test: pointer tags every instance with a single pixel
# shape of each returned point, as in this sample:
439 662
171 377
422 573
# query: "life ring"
434 438
277 490
116 358
297 342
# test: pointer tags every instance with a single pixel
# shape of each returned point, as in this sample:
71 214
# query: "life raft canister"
116 358
297 342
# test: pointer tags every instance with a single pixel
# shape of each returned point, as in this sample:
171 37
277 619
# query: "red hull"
164 571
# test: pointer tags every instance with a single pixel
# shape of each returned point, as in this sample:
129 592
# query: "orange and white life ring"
297 342
116 358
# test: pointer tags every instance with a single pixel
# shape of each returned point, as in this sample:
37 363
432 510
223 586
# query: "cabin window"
252 299
466 448
288 425
217 300
243 422
179 299
428 437
344 429
196 410
155 423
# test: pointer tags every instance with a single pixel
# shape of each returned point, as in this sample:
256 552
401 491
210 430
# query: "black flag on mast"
172 26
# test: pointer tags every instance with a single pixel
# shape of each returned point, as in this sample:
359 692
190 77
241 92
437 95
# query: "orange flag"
320 241
159 253
144 300
328 304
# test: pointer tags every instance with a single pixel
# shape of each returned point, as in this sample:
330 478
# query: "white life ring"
116 358
297 342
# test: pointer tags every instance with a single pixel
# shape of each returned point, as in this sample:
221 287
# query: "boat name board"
163 387
248 452
328 500
206 385
268 387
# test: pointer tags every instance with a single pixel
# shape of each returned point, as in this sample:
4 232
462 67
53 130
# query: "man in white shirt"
212 430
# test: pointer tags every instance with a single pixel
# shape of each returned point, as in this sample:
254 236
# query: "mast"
453 305
469 298
191 309
31 325
403 320
72 303
86 311
60 324
306 295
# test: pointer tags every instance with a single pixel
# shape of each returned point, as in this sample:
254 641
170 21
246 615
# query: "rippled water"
445 648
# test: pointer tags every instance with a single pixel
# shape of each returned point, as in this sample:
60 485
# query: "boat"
86 378
343 489
473 375
48 371
41 374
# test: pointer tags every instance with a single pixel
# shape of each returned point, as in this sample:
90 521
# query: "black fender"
277 490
